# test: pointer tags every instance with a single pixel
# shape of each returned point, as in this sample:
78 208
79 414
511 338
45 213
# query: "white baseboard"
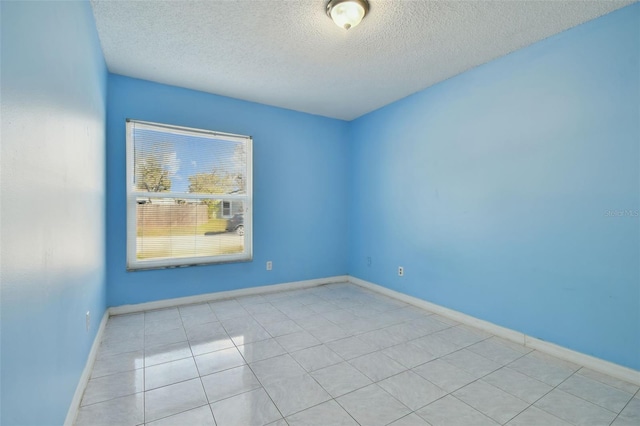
208 297
86 373
614 370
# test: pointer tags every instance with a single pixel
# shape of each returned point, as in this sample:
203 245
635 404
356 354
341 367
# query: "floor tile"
263 349
630 415
234 325
533 416
208 330
169 373
219 361
444 375
491 401
170 352
372 406
231 312
495 351
327 413
260 308
282 328
113 386
125 411
316 357
194 309
340 316
295 394
270 317
518 384
277 368
253 408
229 383
200 347
166 314
377 366
408 313
160 326
593 391
200 416
450 411
298 312
340 379
438 346
410 420
381 339
285 303
323 307
445 320
351 347
608 380
255 299
118 363
462 336
173 399
473 363
407 331
359 326
165 337
249 336
545 370
115 347
411 389
296 341
226 309
573 409
364 311
329 333
278 295
308 299
384 320
112 333
408 354
429 324
314 322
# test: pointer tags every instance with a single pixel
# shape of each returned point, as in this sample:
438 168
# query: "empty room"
320 212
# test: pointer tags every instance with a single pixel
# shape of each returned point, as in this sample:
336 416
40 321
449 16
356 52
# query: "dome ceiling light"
347 13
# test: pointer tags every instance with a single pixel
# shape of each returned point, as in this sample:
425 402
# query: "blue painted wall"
300 191
53 82
493 189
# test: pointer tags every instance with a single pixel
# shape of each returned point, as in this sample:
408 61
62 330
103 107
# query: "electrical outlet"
400 271
88 319
369 261
269 265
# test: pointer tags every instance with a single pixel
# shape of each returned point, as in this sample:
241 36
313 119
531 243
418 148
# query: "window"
189 196
226 209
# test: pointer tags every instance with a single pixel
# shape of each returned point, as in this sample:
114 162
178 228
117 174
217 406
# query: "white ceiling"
289 54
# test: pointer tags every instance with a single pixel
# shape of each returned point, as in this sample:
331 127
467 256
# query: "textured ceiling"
288 53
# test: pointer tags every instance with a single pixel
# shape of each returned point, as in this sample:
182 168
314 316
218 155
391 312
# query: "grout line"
625 406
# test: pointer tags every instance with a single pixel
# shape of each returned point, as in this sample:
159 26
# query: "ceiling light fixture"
347 13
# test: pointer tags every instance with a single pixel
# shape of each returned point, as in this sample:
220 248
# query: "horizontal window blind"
189 196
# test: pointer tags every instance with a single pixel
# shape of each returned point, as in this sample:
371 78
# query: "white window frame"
132 196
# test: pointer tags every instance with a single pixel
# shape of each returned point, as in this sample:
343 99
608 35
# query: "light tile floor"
334 355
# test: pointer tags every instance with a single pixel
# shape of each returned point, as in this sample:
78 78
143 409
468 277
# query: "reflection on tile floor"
334 355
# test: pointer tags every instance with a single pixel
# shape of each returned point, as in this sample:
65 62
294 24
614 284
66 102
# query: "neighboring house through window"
183 187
